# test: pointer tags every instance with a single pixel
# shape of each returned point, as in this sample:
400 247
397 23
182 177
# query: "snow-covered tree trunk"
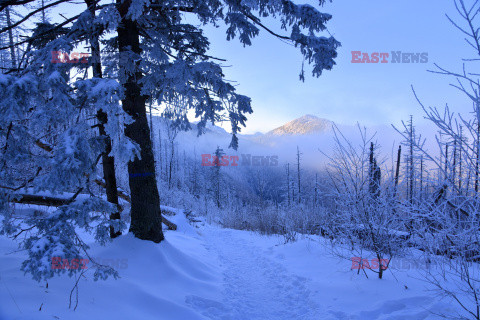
146 221
10 38
108 162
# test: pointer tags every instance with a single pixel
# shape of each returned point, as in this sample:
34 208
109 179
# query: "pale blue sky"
372 94
369 93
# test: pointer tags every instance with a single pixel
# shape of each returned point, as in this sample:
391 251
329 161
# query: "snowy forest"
130 190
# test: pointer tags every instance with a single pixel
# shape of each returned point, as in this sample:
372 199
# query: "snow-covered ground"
206 272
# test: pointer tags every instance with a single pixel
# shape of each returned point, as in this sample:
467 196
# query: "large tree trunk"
108 163
145 206
10 38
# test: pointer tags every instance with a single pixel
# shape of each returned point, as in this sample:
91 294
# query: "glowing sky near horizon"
372 94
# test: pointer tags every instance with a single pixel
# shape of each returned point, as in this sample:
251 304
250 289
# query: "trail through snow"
256 287
258 283
204 272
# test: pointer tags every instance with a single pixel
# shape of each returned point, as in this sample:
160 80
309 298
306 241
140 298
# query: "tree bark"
10 38
42 200
108 162
146 217
397 171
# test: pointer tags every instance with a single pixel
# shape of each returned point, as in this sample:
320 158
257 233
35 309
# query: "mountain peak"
309 117
306 124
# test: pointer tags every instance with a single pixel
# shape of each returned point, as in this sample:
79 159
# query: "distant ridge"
307 124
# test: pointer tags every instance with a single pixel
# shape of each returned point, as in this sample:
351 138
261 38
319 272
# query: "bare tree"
298 175
288 184
172 133
451 220
362 214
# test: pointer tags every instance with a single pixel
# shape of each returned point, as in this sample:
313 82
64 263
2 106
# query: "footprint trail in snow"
255 287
